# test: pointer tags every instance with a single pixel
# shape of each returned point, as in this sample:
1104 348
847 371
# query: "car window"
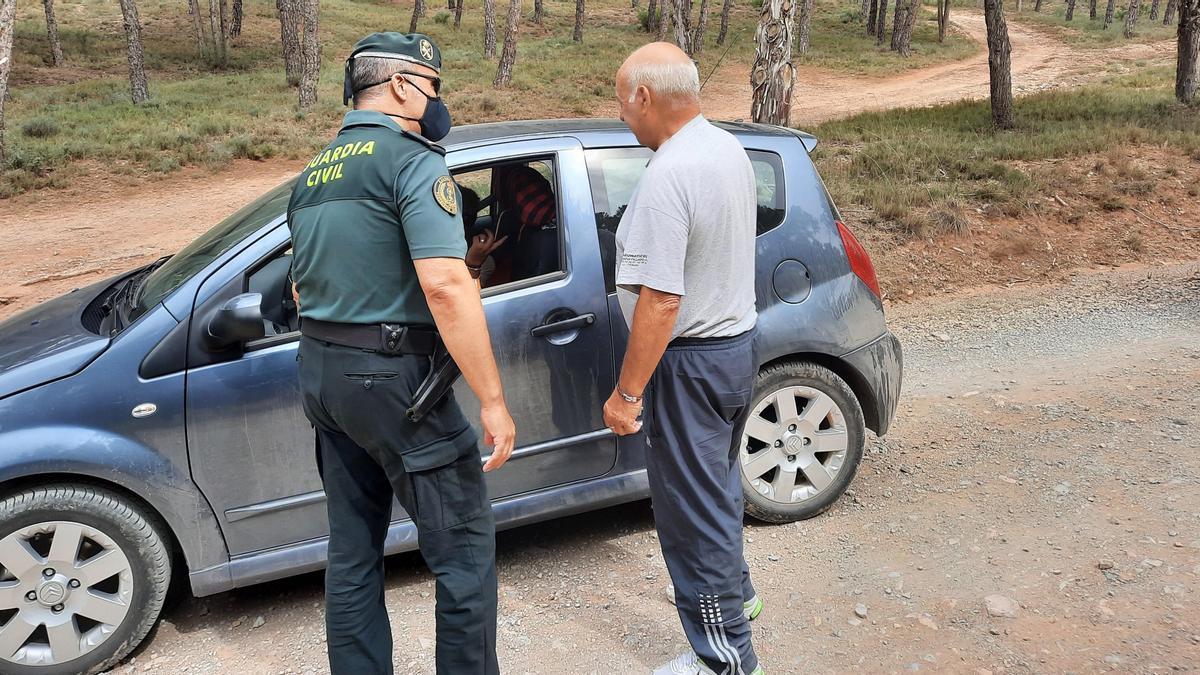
518 202
210 246
614 172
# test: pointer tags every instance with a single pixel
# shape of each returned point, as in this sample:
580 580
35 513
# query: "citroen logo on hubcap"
52 593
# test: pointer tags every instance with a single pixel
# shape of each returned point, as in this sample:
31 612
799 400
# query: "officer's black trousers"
368 453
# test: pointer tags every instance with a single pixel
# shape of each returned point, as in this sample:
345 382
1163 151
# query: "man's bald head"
658 91
665 71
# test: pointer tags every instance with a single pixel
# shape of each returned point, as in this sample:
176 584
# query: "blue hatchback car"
151 428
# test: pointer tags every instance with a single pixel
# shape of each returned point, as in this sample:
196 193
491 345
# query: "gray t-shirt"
689 231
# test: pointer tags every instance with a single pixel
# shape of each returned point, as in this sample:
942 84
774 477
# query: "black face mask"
435 122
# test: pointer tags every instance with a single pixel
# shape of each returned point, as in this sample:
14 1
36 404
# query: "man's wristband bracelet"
629 398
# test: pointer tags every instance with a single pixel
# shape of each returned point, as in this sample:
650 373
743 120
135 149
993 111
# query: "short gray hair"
679 81
367 73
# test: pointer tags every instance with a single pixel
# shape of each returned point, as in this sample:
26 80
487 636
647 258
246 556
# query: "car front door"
252 449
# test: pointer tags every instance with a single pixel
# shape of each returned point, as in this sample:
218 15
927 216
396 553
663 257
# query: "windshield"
209 247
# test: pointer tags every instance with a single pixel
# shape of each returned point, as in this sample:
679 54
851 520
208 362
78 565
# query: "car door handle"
573 323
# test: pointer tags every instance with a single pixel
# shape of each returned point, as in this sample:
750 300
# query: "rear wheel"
801 443
83 576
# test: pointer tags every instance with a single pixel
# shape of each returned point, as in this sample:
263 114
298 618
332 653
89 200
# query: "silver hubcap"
794 445
64 588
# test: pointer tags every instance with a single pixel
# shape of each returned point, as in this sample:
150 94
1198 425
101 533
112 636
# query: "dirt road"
1045 452
1039 61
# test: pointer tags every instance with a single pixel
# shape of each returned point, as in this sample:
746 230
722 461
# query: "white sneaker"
686 663
751 608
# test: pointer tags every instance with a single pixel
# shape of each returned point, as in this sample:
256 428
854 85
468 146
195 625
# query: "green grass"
917 171
69 123
1085 32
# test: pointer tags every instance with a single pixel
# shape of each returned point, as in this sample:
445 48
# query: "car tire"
794 443
111 614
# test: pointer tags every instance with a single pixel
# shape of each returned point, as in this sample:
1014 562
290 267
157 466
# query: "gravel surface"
1035 509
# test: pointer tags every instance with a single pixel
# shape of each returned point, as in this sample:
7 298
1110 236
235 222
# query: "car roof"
589 132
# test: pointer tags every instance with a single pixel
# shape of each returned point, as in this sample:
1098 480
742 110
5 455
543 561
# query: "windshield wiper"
136 283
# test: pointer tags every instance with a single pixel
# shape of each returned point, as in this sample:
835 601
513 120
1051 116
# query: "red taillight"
860 261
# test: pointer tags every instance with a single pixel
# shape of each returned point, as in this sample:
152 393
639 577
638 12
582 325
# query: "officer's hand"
295 295
622 416
482 246
498 432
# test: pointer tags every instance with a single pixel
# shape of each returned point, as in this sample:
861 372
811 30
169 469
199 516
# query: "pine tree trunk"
235 28
1169 12
223 18
538 11
418 12
773 76
8 16
216 25
664 21
489 29
310 54
1020 6
652 16
701 25
728 7
943 19
873 17
999 64
56 56
1187 80
198 28
683 38
289 32
881 22
579 14
458 10
1070 10
133 46
508 57
1131 17
804 27
866 5
902 29
1038 6
1092 9
1154 7
1108 14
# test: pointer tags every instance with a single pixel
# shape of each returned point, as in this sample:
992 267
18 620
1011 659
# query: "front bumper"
880 365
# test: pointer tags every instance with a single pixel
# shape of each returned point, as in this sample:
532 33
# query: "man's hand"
622 416
295 295
500 432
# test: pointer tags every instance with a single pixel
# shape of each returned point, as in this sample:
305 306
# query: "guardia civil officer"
378 266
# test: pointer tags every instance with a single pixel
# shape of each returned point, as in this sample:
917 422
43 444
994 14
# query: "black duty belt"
384 338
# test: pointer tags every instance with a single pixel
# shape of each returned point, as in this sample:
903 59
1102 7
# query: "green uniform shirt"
373 201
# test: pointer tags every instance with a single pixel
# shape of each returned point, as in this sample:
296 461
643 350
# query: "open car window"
518 201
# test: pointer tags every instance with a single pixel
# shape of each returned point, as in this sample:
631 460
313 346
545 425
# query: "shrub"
41 127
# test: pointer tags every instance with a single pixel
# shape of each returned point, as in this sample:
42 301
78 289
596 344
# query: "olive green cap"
411 47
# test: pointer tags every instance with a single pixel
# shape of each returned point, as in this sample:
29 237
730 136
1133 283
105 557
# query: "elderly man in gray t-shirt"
685 279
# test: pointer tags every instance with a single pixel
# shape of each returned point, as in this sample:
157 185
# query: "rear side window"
614 172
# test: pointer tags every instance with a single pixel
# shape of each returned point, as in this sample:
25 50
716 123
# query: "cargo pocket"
448 485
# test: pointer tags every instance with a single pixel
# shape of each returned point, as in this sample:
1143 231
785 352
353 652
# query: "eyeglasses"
433 80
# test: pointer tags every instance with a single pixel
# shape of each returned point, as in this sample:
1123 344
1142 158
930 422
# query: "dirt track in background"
1039 61
1045 452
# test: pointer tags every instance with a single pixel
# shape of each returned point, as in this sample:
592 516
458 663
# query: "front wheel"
83 576
801 442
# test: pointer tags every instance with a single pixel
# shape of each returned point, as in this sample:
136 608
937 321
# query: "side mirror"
239 320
